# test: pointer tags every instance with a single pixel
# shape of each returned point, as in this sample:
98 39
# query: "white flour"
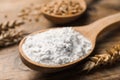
55 47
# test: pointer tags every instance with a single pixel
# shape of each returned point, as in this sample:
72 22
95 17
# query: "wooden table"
11 66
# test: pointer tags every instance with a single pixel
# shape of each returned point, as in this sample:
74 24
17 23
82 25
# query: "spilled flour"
56 46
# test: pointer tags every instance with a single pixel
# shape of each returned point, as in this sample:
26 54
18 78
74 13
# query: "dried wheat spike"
10 25
10 37
111 56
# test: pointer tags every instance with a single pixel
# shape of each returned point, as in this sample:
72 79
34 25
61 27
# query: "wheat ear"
9 34
111 56
5 26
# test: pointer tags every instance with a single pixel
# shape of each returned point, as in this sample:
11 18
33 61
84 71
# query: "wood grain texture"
11 67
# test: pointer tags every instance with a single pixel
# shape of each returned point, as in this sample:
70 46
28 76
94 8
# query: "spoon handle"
103 23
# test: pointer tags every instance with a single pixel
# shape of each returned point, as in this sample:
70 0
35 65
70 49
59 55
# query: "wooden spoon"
61 19
89 31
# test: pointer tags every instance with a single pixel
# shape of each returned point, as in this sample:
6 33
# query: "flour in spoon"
56 46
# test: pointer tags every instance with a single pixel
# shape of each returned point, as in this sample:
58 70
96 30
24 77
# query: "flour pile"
56 46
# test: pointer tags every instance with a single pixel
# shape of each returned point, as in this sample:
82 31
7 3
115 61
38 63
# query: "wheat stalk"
10 37
9 34
111 56
10 25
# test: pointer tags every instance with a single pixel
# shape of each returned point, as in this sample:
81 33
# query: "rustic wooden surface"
11 67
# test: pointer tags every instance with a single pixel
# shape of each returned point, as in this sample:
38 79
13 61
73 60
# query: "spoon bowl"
62 19
42 67
89 31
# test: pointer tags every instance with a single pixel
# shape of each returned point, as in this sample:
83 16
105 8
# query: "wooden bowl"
42 67
62 19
